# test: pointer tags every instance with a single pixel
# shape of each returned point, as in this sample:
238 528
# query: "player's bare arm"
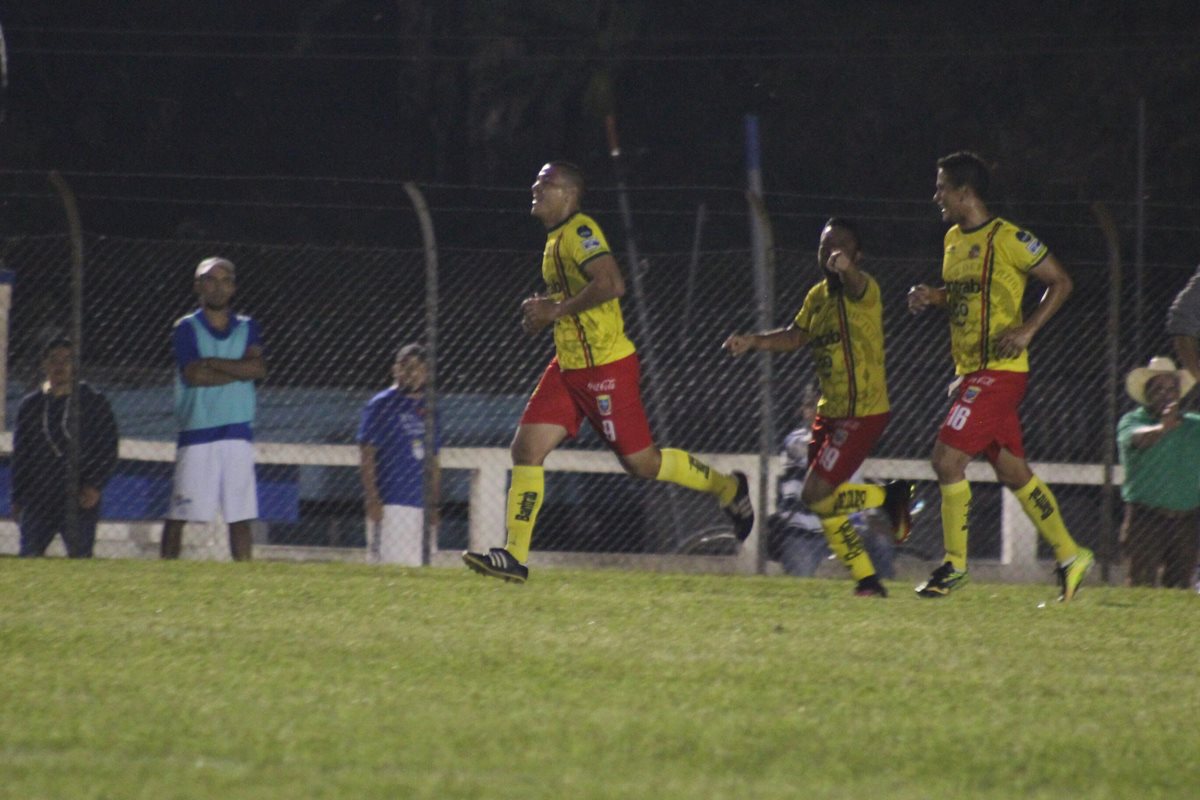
1058 288
604 283
921 298
782 340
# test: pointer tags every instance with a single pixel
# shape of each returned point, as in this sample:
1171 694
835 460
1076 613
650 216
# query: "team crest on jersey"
971 393
974 251
604 403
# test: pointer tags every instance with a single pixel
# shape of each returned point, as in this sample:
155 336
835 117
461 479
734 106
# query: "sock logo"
850 500
853 542
698 465
1042 502
528 501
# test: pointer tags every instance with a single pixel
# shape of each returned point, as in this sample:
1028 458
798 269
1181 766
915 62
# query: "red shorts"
610 396
841 444
983 417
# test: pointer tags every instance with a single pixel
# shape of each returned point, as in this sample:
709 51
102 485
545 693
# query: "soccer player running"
842 320
986 264
594 375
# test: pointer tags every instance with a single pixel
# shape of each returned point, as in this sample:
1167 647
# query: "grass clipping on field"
161 680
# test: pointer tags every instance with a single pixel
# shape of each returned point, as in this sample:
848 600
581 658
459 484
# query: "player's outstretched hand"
920 298
739 343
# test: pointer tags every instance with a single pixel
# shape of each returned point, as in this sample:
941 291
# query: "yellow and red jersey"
985 270
846 337
596 336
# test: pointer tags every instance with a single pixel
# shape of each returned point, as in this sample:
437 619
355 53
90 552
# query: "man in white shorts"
218 356
391 440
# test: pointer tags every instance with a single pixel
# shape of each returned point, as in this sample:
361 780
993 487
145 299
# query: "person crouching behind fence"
218 355
1160 451
392 449
41 443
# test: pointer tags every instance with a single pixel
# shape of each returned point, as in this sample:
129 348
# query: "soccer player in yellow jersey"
985 265
594 375
842 321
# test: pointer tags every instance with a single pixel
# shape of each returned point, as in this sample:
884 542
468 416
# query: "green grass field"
132 679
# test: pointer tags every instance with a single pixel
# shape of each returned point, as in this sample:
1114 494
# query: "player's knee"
645 464
815 492
947 470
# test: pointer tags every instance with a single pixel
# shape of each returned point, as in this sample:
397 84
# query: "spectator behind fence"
594 375
986 264
1183 324
218 356
391 441
41 445
1160 451
795 537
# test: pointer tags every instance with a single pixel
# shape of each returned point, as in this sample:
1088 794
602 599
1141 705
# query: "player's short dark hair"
965 168
571 173
58 342
414 350
848 225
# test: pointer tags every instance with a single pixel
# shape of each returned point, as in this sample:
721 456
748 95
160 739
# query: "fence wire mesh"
333 316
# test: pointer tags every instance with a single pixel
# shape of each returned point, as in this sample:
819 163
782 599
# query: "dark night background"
288 128
857 99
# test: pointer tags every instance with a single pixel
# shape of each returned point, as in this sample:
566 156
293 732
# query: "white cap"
209 264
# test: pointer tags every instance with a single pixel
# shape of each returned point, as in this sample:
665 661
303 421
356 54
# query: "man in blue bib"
218 356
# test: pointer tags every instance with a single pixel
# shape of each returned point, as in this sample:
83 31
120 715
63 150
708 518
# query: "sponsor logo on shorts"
840 436
973 252
971 393
606 385
604 403
584 232
591 244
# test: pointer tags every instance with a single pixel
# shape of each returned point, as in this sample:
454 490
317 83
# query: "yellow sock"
956 508
686 470
524 501
840 533
1042 509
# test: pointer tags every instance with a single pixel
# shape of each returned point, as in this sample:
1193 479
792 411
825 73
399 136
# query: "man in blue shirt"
391 438
391 445
218 355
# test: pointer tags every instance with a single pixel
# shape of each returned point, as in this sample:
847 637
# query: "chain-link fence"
332 318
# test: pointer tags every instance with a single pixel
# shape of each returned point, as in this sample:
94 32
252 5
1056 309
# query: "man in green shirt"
1160 451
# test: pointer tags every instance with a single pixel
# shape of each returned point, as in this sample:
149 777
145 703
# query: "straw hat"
1135 381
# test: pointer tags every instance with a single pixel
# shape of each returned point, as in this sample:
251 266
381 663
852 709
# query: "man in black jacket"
41 444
